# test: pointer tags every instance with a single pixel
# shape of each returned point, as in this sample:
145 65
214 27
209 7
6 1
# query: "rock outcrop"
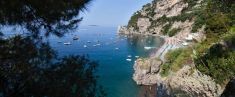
169 8
194 82
146 70
173 18
162 16
187 79
143 24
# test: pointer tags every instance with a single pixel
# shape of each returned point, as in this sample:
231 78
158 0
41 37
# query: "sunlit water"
111 51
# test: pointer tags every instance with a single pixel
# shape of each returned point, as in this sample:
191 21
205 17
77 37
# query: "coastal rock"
161 17
194 83
143 24
152 18
125 30
145 70
187 80
169 8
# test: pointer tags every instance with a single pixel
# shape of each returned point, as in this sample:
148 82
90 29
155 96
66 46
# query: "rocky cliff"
187 80
164 17
173 18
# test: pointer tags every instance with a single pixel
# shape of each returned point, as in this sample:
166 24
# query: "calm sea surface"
111 51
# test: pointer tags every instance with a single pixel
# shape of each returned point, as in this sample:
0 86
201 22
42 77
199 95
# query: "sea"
116 55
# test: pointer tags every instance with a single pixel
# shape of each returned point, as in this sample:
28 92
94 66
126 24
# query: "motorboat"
75 38
128 59
147 48
67 43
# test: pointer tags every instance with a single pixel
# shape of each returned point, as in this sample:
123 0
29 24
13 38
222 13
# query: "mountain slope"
205 66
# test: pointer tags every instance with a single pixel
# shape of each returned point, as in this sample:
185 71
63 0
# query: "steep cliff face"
164 17
173 18
187 80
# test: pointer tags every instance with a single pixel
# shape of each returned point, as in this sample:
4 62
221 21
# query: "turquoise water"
114 70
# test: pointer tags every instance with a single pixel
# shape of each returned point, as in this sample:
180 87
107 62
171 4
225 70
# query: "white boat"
75 38
67 43
137 56
85 46
88 41
116 48
98 44
147 48
128 59
129 56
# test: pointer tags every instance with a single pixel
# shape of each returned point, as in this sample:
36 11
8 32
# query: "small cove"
115 72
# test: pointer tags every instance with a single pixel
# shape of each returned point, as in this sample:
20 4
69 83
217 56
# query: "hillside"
198 57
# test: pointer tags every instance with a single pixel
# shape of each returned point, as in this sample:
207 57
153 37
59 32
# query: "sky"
111 13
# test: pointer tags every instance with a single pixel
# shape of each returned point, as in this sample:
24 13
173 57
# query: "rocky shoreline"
187 81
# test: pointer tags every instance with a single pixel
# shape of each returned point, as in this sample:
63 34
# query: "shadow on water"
29 67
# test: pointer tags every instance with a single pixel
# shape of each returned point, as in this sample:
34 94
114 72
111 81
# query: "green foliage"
182 17
183 59
150 10
29 67
133 21
229 37
191 3
172 55
159 21
173 31
176 59
148 5
211 59
38 72
199 21
166 28
36 14
165 69
218 62
219 16
217 23
163 19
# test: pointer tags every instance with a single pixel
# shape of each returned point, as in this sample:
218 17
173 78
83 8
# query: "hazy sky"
111 12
